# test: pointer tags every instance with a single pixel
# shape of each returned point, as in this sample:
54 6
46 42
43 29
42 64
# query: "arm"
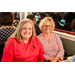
47 58
8 52
50 58
60 53
40 57
55 59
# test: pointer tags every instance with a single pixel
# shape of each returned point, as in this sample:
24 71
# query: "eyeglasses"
47 26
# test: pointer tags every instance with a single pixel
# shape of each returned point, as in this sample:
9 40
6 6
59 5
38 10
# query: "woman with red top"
52 46
23 45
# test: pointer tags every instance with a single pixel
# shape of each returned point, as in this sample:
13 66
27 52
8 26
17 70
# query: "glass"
47 26
17 15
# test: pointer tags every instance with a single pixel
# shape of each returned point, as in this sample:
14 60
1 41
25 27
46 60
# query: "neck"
25 40
46 35
5 26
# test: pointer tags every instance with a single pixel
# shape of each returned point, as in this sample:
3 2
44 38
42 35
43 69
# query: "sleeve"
46 57
60 46
40 57
8 52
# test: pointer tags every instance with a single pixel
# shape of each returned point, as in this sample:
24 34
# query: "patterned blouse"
6 32
53 48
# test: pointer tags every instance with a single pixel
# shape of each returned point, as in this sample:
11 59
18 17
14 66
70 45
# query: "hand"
59 60
54 60
50 58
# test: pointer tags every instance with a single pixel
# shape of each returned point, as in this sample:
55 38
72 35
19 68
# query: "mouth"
26 34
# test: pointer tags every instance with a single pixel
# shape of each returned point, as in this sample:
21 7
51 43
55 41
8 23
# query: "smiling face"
26 31
47 28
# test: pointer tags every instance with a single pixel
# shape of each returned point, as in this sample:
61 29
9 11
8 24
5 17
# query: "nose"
27 30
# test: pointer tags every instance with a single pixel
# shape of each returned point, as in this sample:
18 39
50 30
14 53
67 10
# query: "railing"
65 31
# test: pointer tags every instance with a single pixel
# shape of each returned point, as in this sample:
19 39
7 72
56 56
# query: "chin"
47 32
27 37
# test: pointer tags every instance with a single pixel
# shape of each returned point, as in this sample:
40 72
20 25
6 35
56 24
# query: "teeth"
26 34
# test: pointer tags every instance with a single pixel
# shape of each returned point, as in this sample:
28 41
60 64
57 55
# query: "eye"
30 28
24 28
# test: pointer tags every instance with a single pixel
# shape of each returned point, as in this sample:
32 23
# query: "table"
66 61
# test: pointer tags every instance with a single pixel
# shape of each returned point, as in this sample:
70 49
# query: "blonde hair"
43 22
17 33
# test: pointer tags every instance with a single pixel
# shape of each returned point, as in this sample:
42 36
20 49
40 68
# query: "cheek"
30 33
43 29
46 29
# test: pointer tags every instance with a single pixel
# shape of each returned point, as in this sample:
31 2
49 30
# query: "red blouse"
15 51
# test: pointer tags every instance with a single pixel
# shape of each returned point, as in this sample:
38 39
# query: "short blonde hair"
17 33
43 22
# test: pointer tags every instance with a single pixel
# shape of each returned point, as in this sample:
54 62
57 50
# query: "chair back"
2 44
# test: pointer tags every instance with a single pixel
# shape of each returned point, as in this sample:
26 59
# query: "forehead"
27 24
48 23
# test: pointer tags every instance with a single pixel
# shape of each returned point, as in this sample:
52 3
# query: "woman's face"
26 31
47 28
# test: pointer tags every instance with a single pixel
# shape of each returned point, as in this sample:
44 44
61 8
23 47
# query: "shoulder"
39 36
10 28
13 27
36 40
12 40
36 25
54 35
3 29
7 29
